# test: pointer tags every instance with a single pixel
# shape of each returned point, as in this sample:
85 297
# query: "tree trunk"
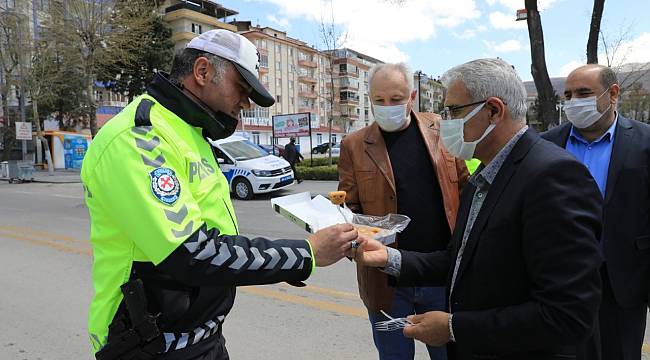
92 108
41 138
594 31
5 131
331 118
547 112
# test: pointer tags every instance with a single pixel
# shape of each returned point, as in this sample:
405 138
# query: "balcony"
306 109
307 79
256 121
187 11
349 116
307 63
263 69
307 94
348 97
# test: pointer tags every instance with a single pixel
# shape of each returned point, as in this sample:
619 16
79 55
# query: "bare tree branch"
331 40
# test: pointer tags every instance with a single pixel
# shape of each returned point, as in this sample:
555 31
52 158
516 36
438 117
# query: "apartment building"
190 18
296 74
352 105
430 93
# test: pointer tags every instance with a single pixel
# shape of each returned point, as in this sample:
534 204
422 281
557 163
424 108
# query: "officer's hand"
372 253
332 243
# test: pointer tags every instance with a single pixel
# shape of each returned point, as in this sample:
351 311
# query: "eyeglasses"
449 111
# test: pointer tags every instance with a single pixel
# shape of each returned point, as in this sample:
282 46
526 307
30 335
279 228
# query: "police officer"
161 212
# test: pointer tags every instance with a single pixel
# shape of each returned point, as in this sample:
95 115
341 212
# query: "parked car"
249 169
279 150
267 148
322 148
336 150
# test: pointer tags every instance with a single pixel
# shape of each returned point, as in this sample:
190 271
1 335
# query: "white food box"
309 214
313 214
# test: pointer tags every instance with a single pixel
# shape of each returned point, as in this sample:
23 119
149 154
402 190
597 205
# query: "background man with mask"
397 165
522 268
161 213
616 151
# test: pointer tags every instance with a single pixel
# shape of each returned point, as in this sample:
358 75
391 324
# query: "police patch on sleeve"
164 185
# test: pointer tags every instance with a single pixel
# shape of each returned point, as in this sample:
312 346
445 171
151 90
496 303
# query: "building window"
197 28
278 82
261 43
291 52
334 138
290 85
319 139
278 99
292 103
349 96
278 65
256 137
264 61
278 49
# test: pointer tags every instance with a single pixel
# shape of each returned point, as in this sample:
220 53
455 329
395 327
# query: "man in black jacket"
522 268
292 155
616 151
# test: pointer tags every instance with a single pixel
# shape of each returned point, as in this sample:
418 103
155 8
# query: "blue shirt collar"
607 136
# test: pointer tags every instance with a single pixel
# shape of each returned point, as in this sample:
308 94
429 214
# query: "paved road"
45 267
45 280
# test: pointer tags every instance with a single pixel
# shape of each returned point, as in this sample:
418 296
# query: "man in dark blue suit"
616 151
521 270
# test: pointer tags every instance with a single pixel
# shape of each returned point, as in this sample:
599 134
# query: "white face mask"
453 137
583 113
390 118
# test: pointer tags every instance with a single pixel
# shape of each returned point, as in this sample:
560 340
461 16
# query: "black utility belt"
136 335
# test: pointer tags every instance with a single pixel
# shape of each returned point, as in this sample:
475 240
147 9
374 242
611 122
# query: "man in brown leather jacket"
398 165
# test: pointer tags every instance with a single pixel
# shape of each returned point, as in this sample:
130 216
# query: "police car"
249 169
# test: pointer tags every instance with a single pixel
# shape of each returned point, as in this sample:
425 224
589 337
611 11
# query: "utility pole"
419 72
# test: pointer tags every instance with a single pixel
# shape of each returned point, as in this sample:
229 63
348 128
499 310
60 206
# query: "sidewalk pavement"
58 177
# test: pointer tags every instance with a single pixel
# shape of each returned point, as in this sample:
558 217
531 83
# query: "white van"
249 169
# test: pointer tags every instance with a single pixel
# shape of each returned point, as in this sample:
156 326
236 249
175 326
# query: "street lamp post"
419 72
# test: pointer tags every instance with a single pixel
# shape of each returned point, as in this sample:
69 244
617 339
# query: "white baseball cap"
242 53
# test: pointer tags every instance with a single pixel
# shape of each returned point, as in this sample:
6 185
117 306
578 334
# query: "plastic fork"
341 212
392 324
